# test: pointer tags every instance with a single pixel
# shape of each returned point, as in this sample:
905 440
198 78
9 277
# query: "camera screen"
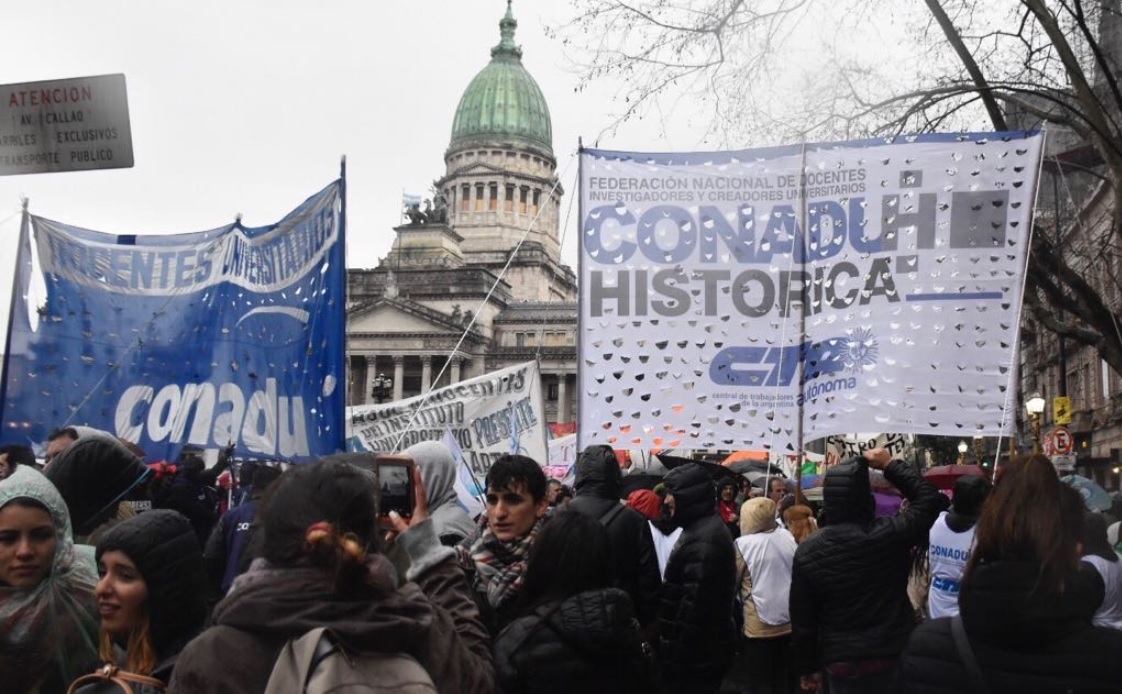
395 489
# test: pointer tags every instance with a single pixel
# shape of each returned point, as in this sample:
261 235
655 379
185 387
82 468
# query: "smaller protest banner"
488 417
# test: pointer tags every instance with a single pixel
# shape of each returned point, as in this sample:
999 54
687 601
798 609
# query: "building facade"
474 282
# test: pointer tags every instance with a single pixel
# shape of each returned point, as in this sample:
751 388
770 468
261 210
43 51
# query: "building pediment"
398 315
478 169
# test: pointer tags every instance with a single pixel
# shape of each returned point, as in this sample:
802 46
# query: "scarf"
500 566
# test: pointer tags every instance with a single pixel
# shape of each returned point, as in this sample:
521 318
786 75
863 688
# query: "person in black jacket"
697 635
1026 602
850 613
599 483
575 632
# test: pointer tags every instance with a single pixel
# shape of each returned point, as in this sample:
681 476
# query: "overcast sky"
246 106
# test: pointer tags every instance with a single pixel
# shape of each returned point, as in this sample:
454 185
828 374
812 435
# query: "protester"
225 550
12 456
727 507
152 594
438 469
320 568
58 441
496 562
950 540
850 613
96 476
48 613
646 502
1098 552
552 490
599 484
564 496
190 490
800 521
1026 602
697 636
764 556
575 632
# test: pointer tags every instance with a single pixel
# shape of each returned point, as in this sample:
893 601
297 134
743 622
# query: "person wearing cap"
950 541
96 476
152 595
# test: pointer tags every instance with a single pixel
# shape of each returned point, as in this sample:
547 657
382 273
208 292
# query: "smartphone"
394 491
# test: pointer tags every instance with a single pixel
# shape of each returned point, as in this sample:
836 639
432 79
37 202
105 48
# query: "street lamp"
1035 407
962 448
383 388
978 449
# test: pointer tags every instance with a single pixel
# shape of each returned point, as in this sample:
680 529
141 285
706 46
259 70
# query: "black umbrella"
742 466
716 470
637 481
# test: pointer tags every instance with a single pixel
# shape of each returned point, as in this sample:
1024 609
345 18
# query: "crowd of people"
111 568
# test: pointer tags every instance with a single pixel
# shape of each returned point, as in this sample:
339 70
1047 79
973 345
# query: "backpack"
317 663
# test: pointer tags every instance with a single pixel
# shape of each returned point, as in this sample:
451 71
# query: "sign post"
74 124
1062 441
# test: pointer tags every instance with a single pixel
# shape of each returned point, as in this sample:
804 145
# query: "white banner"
908 255
488 416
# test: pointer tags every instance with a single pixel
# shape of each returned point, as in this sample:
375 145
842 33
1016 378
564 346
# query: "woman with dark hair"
1098 553
152 595
576 633
48 614
320 568
1026 601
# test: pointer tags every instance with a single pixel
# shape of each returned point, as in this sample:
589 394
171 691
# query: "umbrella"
944 476
1094 496
746 455
638 481
716 470
742 466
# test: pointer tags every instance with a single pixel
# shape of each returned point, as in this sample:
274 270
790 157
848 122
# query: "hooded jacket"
1024 638
93 475
588 643
697 634
438 471
598 485
849 580
434 620
48 633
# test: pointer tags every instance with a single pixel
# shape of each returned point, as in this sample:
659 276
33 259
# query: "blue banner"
228 335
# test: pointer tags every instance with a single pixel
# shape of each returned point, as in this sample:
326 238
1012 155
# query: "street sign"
1061 409
65 125
1063 443
1064 463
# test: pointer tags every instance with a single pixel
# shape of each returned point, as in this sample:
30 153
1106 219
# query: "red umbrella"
944 476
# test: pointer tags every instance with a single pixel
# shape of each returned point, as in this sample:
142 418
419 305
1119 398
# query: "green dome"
503 101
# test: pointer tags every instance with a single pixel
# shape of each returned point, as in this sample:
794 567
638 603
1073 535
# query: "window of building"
493 197
465 199
508 204
553 392
519 339
478 197
523 195
537 201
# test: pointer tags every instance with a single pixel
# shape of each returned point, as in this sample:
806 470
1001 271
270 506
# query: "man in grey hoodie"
438 471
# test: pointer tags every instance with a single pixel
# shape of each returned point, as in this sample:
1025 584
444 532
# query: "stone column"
426 373
398 375
371 374
563 414
456 361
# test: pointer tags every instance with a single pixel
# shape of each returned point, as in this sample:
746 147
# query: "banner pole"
23 256
341 444
799 434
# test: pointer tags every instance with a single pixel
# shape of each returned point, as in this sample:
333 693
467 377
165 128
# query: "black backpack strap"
611 514
966 656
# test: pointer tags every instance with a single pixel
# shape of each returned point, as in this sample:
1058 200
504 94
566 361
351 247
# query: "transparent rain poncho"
48 634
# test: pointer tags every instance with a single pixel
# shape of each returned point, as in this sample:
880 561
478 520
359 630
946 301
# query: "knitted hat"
645 502
166 552
757 516
92 474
